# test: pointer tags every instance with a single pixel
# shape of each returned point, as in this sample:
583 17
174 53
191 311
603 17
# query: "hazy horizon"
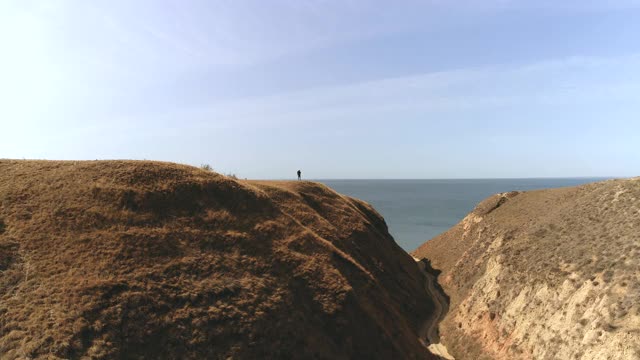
419 210
341 90
462 179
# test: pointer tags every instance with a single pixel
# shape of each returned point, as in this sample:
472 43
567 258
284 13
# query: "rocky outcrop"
549 274
148 260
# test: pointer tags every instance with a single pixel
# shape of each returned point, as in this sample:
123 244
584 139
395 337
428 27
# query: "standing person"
299 175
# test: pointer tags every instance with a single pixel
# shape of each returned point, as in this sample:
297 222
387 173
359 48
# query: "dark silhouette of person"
299 175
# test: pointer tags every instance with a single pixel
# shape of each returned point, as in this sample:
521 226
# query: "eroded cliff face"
149 260
550 274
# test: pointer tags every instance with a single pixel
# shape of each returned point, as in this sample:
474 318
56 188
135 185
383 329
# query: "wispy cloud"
570 81
179 79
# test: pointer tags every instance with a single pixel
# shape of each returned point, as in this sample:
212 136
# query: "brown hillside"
550 274
148 260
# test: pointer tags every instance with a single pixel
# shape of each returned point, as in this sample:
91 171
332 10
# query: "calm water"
418 210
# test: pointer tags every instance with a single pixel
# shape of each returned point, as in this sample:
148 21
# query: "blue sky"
339 89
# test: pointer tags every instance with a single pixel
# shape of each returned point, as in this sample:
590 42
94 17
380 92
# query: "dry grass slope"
149 260
550 274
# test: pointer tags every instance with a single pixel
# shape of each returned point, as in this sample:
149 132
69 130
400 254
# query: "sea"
418 210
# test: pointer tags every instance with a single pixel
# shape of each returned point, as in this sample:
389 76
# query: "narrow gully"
429 333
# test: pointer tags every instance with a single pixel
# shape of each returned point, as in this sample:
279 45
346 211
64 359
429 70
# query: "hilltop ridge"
546 274
138 259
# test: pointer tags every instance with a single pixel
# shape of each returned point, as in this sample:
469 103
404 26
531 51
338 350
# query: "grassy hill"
549 274
150 260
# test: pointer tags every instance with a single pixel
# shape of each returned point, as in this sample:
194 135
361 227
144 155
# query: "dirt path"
429 333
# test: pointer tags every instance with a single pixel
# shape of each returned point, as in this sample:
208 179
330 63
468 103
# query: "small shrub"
206 167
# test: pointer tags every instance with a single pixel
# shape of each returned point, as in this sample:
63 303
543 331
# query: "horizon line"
470 178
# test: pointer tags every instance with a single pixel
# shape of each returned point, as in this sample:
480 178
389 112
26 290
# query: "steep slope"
550 274
148 260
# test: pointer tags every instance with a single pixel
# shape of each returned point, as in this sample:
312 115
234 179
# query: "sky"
338 89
